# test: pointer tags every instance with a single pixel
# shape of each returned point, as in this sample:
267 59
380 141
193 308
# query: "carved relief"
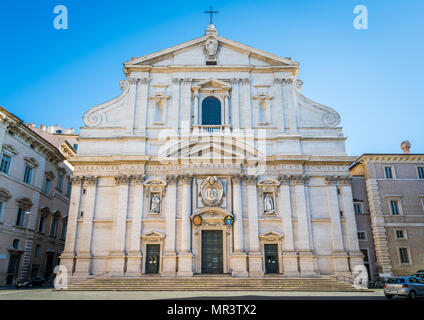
211 191
211 49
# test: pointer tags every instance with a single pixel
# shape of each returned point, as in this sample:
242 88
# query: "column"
130 106
141 106
355 254
134 257
340 261
279 105
226 113
289 92
68 255
289 254
255 255
82 268
196 109
238 259
174 119
307 261
117 254
169 266
247 108
185 257
186 106
235 104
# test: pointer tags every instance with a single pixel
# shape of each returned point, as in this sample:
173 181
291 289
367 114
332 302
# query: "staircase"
214 283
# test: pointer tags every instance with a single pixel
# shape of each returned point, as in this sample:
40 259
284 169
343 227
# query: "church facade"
211 161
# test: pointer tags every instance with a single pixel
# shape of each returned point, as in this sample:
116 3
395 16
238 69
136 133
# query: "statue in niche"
268 204
155 204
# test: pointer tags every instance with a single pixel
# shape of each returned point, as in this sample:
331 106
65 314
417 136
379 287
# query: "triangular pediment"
213 83
214 148
271 235
230 53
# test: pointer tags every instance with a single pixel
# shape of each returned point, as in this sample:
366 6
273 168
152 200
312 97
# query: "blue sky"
373 77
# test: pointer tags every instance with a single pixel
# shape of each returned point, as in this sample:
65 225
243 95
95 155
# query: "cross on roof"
211 12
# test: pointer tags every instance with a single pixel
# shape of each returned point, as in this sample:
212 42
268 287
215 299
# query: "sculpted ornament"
211 48
211 191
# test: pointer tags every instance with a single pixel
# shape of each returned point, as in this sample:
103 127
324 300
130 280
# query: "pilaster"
169 259
185 257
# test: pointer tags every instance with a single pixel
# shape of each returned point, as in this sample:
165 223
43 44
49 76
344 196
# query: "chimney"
43 127
405 146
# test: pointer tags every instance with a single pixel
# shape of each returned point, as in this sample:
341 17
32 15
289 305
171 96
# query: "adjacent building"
211 161
388 197
34 199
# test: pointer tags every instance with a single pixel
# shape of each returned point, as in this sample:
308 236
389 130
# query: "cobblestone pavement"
49 294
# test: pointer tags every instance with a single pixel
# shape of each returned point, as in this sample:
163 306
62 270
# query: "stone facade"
211 135
33 215
391 189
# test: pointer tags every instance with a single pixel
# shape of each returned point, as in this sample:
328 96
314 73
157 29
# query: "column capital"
345 180
172 179
251 179
90 180
300 179
137 179
176 80
122 179
235 81
186 178
132 81
278 80
144 80
331 180
245 81
284 179
236 179
77 179
288 80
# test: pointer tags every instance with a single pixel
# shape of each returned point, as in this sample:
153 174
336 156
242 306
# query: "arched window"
211 111
15 244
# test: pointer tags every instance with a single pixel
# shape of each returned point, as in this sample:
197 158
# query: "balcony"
211 129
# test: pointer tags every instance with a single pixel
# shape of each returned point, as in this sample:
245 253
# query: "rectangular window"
5 163
361 235
20 219
388 172
59 181
365 253
47 186
28 174
37 251
69 188
63 232
400 234
53 229
403 254
1 210
420 172
394 207
42 225
357 206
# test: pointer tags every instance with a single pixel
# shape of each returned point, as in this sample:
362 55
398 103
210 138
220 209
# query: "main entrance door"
152 258
212 251
271 258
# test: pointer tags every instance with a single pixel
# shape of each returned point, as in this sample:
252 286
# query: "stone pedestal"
238 263
134 260
341 263
185 265
290 265
169 265
116 265
67 260
307 264
356 258
82 267
255 264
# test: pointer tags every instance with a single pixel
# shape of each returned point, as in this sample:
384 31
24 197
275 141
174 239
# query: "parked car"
29 283
411 287
419 274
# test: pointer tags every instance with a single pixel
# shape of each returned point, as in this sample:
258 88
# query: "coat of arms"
211 191
211 48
